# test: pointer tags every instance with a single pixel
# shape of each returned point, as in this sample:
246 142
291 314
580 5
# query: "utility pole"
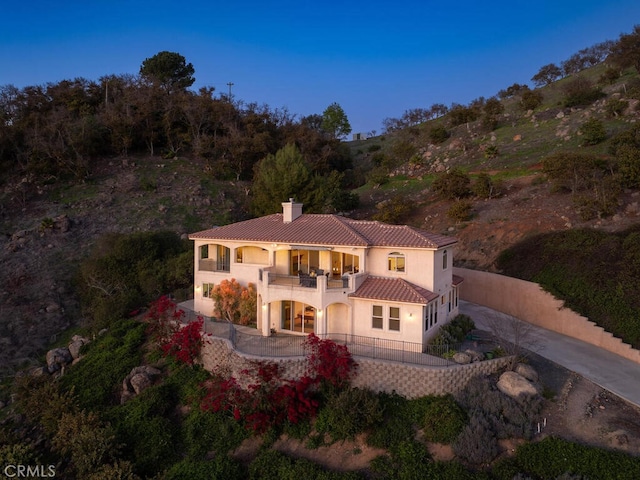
230 85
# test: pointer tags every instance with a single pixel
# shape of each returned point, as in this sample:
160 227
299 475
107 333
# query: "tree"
169 70
335 122
531 99
547 75
625 52
280 177
580 91
234 302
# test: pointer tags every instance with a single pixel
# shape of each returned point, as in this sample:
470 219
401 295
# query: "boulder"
515 385
58 358
138 380
77 342
474 355
527 371
462 358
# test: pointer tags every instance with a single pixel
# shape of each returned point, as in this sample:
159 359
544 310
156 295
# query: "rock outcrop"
139 379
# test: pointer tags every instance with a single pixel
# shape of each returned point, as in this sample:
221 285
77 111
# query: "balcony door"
303 261
297 317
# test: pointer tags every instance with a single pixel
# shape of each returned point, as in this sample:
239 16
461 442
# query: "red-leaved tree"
183 342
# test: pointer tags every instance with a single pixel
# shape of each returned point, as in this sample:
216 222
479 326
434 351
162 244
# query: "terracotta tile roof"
320 229
457 279
394 290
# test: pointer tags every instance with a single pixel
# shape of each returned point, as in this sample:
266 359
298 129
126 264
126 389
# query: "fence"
294 345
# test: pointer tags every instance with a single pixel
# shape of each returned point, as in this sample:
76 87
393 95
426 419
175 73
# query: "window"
224 258
297 317
431 315
377 317
396 262
239 255
394 319
207 290
214 258
445 259
303 261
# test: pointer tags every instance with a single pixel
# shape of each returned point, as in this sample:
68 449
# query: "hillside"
50 225
525 202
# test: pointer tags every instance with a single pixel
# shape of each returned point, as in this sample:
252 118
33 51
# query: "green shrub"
491 151
349 413
483 186
593 131
409 460
460 211
273 465
438 134
531 99
455 331
221 467
615 106
124 272
443 420
399 421
603 284
453 184
554 457
97 380
204 432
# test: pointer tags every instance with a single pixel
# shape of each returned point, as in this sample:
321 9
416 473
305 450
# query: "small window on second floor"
445 260
396 262
204 251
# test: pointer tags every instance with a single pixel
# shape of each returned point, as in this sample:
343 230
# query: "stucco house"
329 274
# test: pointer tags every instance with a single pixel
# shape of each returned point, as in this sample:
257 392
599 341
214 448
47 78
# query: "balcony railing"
283 345
307 281
213 265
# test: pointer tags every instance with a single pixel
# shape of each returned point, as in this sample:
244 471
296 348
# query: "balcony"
322 282
213 265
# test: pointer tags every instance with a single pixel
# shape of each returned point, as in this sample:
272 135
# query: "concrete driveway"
608 370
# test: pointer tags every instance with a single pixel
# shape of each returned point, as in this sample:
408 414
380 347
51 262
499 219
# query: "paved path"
608 370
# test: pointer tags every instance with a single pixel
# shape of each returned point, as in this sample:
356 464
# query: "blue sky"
376 59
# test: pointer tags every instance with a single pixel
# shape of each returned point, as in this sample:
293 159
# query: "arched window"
396 262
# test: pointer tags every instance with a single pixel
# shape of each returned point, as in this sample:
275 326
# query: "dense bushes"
455 331
107 361
595 273
123 272
349 413
443 420
494 415
554 457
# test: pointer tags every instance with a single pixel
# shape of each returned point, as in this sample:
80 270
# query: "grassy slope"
597 284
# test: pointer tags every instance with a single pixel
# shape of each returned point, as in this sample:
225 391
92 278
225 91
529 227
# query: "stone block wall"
410 381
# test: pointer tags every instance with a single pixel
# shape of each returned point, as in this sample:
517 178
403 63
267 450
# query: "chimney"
291 210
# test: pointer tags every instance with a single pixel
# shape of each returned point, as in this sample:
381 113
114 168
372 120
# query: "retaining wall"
529 302
410 381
